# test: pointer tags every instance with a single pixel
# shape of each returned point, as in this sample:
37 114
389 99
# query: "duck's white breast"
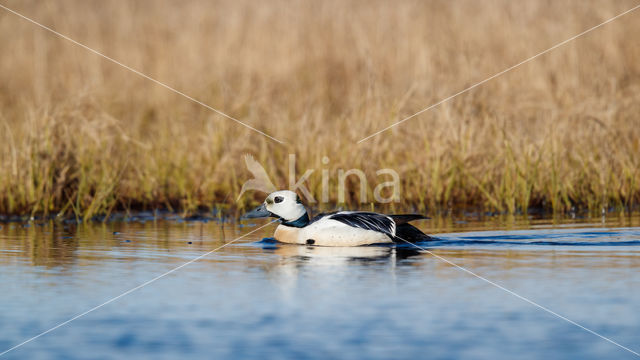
287 234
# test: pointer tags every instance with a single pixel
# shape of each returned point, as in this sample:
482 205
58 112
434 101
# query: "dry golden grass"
81 135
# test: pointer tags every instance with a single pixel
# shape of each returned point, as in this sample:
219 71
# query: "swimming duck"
342 228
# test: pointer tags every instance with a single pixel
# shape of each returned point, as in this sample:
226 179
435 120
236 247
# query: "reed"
82 136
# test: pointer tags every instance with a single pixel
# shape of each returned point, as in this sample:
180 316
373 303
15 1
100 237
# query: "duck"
339 228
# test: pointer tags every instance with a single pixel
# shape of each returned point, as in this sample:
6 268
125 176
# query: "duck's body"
329 233
326 231
344 228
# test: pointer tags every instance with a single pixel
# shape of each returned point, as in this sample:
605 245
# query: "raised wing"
366 220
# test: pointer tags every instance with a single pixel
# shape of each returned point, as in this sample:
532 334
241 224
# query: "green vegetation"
82 136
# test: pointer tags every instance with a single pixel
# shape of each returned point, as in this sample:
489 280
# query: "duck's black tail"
408 232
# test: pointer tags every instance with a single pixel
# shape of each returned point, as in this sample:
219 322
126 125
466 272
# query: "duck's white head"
283 204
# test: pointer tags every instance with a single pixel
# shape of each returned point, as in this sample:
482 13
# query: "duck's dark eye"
278 199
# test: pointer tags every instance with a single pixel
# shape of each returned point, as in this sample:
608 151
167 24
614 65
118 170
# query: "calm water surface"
257 299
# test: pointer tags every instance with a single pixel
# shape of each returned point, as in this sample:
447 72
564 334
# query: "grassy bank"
81 135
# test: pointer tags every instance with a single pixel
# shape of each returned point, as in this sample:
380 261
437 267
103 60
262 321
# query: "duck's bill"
259 212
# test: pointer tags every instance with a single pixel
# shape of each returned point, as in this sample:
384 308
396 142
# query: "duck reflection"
323 255
331 263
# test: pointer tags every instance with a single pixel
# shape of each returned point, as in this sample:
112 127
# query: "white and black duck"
342 228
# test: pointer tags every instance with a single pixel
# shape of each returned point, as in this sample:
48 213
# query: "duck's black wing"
366 220
394 226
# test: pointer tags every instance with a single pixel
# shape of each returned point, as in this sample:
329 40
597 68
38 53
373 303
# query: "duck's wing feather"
366 220
395 226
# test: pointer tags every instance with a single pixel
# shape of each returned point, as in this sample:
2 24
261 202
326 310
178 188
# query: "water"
257 299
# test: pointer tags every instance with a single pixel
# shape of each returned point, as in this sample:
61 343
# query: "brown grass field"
82 136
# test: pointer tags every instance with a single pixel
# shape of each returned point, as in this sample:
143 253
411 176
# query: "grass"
82 136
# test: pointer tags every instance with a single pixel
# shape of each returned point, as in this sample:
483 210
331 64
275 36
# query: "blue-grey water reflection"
259 299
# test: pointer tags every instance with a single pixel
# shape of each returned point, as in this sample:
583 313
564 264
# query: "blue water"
257 299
